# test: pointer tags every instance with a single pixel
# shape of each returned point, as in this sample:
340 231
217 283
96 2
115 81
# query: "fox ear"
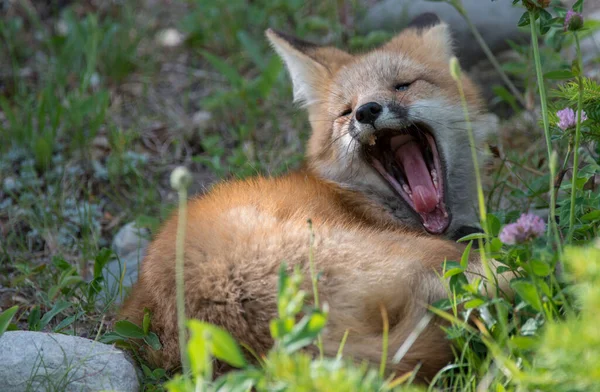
434 33
439 39
309 65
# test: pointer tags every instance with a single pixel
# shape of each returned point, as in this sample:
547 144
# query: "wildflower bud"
573 21
454 68
527 227
533 4
567 118
180 178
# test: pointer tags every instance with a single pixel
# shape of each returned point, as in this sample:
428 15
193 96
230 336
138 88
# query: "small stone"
130 239
130 246
201 119
41 361
170 37
10 184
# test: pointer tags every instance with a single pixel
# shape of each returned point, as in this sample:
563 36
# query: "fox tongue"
424 194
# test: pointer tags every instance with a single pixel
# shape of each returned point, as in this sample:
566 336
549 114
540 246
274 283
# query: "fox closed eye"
402 86
346 112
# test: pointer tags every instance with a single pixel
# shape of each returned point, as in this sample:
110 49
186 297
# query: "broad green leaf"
464 260
493 224
591 216
33 321
223 345
540 268
128 329
6 317
152 340
528 293
56 309
474 303
471 237
559 74
103 257
305 332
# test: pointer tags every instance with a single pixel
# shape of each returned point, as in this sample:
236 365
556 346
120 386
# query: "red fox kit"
387 166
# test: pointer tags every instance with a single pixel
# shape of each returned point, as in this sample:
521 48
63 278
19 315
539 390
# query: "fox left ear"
435 34
309 65
438 38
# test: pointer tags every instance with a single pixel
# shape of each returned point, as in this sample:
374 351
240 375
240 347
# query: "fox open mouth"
409 161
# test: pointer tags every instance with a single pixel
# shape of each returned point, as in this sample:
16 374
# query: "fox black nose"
368 113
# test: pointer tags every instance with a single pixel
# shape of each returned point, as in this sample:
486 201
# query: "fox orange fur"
372 245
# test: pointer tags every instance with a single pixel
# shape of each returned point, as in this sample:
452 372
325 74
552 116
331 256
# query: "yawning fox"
388 182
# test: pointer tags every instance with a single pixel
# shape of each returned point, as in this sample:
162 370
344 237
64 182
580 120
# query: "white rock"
170 37
129 245
201 118
39 361
129 239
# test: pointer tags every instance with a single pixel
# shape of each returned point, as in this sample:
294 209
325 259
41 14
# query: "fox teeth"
434 178
406 189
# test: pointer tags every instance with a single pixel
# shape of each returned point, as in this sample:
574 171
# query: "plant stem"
455 70
313 278
179 277
577 139
544 108
490 56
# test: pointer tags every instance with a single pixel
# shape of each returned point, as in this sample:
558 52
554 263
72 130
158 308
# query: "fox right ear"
309 65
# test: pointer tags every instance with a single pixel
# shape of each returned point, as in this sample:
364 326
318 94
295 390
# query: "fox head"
389 123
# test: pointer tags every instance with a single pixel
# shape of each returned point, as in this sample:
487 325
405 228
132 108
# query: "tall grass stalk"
456 75
544 108
313 278
577 137
180 180
455 71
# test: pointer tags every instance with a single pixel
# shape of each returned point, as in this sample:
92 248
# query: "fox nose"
368 113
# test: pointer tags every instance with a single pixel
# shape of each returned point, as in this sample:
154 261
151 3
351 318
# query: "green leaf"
495 245
56 309
540 268
471 237
474 303
146 321
528 293
305 332
545 21
591 216
6 317
68 321
464 260
524 342
578 6
111 337
223 345
102 258
230 73
559 74
452 268
33 321
128 329
524 20
493 224
152 340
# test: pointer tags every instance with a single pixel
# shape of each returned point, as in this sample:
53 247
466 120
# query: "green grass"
95 114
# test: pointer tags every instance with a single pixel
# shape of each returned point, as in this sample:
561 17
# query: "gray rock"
129 245
496 21
37 361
